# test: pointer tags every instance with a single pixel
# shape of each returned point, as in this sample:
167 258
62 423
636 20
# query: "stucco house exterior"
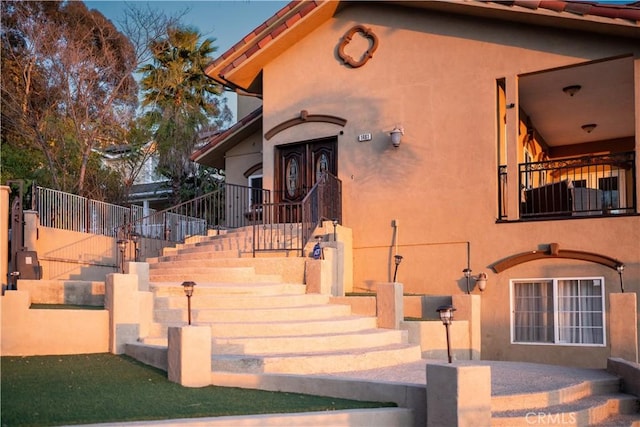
519 124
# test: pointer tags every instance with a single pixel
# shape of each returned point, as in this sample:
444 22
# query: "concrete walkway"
507 378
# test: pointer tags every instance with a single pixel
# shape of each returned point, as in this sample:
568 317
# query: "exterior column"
189 355
458 396
623 321
389 305
4 235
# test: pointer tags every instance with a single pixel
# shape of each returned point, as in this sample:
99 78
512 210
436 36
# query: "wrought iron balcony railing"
575 187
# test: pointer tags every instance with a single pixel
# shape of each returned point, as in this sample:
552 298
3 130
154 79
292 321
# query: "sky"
226 21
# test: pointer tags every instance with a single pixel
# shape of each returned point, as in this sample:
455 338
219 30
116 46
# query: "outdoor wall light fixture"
446 315
122 246
397 260
481 280
188 291
134 238
571 90
620 268
396 136
335 233
589 127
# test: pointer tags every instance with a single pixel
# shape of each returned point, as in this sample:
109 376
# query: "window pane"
533 311
580 312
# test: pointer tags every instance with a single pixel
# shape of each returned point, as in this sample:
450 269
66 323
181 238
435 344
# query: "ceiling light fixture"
588 128
571 90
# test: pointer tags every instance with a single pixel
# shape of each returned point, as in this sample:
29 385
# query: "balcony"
602 185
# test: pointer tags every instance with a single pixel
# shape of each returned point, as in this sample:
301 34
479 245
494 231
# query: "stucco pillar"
513 130
140 269
121 299
458 396
623 326
31 223
189 355
4 235
468 308
389 305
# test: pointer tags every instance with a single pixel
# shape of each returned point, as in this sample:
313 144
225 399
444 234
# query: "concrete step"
174 288
541 400
625 420
318 362
308 344
592 409
290 269
228 275
244 302
265 314
343 324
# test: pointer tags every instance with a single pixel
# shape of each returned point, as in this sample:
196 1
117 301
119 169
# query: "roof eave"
243 64
213 154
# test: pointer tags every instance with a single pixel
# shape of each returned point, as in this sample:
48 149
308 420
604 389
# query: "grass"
98 388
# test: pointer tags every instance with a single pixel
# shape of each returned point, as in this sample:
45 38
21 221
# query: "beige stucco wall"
31 332
241 158
435 76
71 255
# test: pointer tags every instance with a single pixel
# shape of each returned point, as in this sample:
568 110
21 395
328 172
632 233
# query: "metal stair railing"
228 207
288 226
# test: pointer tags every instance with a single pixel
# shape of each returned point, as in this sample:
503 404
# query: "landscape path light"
135 237
188 291
446 315
397 260
122 246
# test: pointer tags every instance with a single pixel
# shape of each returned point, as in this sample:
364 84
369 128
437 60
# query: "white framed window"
565 311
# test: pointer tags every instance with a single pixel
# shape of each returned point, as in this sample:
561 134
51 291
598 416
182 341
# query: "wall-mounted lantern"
396 136
481 280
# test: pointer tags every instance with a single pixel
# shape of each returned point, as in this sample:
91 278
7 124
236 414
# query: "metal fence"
66 211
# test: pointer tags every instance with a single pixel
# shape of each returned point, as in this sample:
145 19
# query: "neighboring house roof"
212 153
239 68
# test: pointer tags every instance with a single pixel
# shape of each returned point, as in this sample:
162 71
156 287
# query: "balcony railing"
586 186
576 187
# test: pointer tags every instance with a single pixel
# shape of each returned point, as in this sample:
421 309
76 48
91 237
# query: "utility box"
28 266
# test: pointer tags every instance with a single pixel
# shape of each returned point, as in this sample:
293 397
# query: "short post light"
446 315
188 291
135 237
397 260
122 247
335 232
620 268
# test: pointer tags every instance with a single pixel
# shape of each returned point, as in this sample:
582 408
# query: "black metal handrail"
287 226
584 186
228 207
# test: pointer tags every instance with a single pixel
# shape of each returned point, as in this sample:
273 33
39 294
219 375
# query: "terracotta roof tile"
629 12
296 10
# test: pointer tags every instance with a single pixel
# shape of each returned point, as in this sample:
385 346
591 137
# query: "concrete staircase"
261 318
594 403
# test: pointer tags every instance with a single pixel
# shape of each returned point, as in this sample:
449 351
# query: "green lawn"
95 388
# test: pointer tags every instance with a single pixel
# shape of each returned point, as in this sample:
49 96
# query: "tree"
68 85
180 100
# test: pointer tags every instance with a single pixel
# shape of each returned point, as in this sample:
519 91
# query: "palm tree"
180 99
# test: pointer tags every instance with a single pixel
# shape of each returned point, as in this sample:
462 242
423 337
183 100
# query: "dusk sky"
225 21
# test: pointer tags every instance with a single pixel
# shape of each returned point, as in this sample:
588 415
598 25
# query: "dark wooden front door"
298 167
